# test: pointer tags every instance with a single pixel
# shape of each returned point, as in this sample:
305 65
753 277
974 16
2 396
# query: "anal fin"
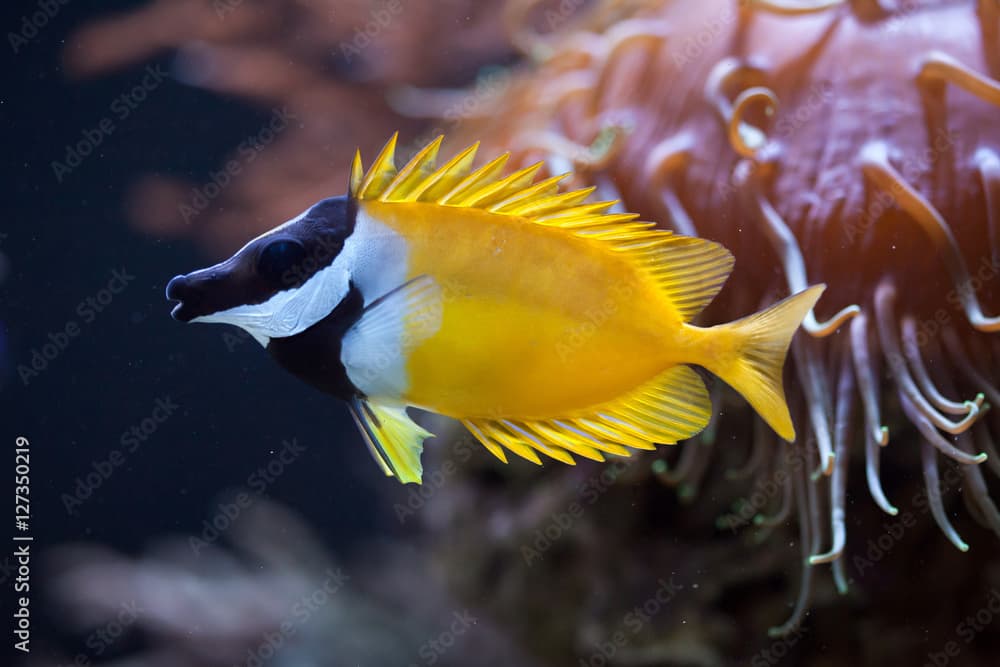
673 406
394 440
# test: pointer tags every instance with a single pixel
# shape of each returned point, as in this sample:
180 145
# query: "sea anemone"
829 141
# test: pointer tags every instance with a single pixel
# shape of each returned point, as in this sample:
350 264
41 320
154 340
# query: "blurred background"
140 433
192 504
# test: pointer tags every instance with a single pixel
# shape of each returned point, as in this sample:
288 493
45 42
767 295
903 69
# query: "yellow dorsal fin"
689 271
673 406
472 184
444 179
382 171
357 174
415 172
545 188
394 440
504 187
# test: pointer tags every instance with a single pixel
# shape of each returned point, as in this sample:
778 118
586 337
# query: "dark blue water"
137 423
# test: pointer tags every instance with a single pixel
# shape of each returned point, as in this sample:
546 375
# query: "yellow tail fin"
759 345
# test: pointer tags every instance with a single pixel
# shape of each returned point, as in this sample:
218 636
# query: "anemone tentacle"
739 148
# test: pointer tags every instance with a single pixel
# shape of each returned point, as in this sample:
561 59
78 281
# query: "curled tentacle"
875 164
939 68
933 436
867 375
873 453
784 243
988 164
843 428
701 460
785 507
628 45
806 539
794 9
975 491
761 445
662 164
814 383
747 140
989 26
911 350
932 485
885 295
516 20
685 469
566 155
958 356
985 443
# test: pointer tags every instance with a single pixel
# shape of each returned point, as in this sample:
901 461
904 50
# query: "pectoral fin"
374 351
394 440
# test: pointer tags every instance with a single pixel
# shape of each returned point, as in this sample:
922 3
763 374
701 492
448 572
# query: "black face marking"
277 261
314 355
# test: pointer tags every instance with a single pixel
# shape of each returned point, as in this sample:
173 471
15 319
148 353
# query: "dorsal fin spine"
382 171
504 187
445 178
541 188
482 177
415 171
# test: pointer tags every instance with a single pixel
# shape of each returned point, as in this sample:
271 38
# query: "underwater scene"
501 333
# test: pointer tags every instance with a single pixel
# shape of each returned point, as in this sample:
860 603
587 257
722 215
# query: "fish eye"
277 258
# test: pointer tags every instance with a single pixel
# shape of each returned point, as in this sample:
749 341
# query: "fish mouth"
178 313
175 291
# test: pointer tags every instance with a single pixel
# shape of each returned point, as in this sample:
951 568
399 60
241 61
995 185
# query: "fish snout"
182 290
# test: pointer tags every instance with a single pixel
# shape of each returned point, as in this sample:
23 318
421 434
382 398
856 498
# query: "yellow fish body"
541 321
